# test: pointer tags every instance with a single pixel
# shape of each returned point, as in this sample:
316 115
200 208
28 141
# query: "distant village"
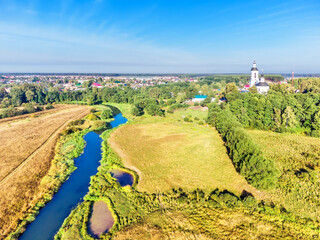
81 82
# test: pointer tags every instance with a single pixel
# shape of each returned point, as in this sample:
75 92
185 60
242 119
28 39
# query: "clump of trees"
246 156
308 85
149 106
278 111
106 113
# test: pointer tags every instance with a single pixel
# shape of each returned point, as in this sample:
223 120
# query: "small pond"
122 177
101 219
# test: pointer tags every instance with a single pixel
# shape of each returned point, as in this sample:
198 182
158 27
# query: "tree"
137 110
106 113
289 118
253 89
316 121
231 88
29 95
277 118
17 96
29 108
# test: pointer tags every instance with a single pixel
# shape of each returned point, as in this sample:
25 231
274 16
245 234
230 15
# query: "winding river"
51 217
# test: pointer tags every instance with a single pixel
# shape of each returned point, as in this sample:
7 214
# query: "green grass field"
171 154
298 158
200 113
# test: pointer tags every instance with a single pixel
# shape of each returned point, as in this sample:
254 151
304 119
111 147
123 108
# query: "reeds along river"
51 217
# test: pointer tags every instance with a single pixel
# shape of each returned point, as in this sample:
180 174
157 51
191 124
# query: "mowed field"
26 150
298 158
170 155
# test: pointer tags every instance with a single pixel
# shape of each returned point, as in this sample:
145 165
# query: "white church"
260 84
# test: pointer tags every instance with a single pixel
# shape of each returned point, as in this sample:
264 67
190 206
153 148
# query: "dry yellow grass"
171 155
201 223
26 150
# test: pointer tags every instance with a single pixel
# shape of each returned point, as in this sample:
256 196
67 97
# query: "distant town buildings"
97 85
199 98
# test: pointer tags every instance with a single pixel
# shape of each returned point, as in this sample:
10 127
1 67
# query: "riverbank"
67 149
179 213
27 149
69 146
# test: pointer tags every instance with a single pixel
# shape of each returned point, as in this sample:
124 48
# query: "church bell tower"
254 74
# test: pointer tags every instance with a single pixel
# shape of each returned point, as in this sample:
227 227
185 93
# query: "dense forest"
280 110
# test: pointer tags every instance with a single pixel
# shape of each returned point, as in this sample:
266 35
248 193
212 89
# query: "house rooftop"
200 96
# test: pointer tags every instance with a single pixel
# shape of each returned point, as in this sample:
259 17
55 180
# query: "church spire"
262 76
254 74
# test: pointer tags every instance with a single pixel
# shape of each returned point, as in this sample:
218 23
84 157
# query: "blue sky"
167 36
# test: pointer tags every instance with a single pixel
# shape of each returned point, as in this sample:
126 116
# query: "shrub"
9 112
200 122
77 122
92 116
38 108
29 108
49 106
107 113
99 124
315 133
169 111
137 111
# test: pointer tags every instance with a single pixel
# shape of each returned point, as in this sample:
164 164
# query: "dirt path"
52 136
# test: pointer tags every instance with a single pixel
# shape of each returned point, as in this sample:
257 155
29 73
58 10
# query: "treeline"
42 94
273 78
277 111
308 85
246 156
150 100
25 109
220 81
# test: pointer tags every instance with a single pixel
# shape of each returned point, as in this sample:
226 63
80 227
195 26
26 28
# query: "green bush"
92 116
29 108
106 113
315 133
99 124
49 106
169 111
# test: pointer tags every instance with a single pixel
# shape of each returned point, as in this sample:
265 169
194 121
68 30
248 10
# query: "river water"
71 192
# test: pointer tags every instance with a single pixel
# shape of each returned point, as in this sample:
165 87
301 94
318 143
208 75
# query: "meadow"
27 149
186 186
298 158
175 212
170 155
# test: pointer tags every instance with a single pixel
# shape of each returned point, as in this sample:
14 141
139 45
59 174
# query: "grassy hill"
298 158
